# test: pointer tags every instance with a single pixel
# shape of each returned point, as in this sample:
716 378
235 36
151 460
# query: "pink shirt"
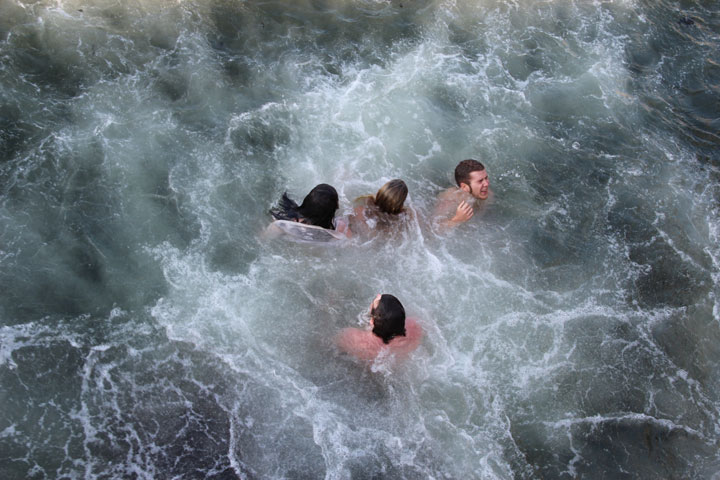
365 345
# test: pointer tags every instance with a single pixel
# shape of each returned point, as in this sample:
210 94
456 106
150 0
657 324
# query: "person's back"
391 333
380 212
365 345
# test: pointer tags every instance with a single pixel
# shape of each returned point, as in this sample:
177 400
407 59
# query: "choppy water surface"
148 331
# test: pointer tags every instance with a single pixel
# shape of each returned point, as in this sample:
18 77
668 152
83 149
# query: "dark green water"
147 330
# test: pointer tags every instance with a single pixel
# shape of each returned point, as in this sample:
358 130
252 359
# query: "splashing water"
149 331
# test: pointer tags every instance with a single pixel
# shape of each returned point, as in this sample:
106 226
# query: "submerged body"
390 332
367 220
365 345
382 211
311 222
457 205
318 208
300 232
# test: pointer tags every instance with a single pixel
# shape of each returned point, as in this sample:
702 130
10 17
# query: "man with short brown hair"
473 185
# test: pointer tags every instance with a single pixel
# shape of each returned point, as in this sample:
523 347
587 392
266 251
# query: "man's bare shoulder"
448 201
414 331
450 194
361 344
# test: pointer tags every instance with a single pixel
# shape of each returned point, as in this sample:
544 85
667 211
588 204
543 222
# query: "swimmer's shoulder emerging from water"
457 205
389 332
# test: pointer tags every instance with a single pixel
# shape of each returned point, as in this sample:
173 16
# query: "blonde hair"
391 197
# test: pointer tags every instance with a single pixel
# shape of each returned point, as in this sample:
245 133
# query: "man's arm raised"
463 213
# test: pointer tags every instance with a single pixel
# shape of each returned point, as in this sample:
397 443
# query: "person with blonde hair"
379 210
391 197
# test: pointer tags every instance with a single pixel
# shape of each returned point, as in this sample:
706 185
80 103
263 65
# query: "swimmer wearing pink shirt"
389 332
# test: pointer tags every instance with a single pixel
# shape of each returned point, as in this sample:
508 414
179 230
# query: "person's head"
387 317
319 206
391 197
471 177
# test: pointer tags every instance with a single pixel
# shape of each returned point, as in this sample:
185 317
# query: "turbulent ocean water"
149 331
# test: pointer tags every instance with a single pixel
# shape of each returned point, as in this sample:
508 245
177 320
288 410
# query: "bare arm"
342 225
444 209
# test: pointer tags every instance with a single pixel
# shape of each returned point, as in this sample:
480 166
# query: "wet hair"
388 318
464 168
318 208
391 197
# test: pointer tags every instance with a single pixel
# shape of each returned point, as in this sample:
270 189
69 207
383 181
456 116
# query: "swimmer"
316 214
473 187
389 331
381 209
318 207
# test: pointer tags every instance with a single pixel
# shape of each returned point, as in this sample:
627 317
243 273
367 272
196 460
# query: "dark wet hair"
465 168
388 318
318 207
391 197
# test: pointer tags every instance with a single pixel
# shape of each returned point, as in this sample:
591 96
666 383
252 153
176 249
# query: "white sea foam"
571 304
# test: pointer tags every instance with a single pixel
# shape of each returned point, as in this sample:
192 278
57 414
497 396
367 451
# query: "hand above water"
463 213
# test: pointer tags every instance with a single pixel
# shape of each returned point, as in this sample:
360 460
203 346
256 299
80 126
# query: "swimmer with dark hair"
318 207
312 222
455 205
389 332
